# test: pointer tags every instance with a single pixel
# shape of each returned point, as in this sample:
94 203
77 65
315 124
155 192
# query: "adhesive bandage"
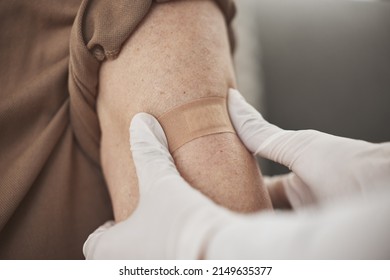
198 118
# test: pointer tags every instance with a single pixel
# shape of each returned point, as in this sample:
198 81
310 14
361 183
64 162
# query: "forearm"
179 53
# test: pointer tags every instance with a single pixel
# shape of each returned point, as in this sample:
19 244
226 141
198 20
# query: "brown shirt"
52 191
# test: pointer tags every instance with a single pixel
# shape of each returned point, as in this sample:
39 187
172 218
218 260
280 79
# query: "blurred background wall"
321 64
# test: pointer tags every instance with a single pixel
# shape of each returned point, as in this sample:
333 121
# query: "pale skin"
179 53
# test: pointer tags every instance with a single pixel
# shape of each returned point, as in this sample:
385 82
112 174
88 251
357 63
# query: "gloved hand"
324 166
172 220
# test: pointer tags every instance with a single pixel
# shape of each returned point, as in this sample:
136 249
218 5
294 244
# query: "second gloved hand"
171 221
324 166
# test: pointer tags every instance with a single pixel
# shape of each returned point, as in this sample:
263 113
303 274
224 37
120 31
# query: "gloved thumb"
149 148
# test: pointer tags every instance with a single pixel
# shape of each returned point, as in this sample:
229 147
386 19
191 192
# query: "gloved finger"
89 246
248 122
289 189
261 137
149 148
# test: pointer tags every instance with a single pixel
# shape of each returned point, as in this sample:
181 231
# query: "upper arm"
179 53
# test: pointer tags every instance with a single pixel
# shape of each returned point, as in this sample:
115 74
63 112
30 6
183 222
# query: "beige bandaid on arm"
198 118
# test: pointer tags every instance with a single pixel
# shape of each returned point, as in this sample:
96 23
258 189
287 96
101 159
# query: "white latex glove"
172 220
325 167
353 228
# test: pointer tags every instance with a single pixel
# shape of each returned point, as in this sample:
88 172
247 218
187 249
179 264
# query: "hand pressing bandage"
198 118
324 167
174 221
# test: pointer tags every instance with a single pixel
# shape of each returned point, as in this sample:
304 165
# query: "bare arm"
179 53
